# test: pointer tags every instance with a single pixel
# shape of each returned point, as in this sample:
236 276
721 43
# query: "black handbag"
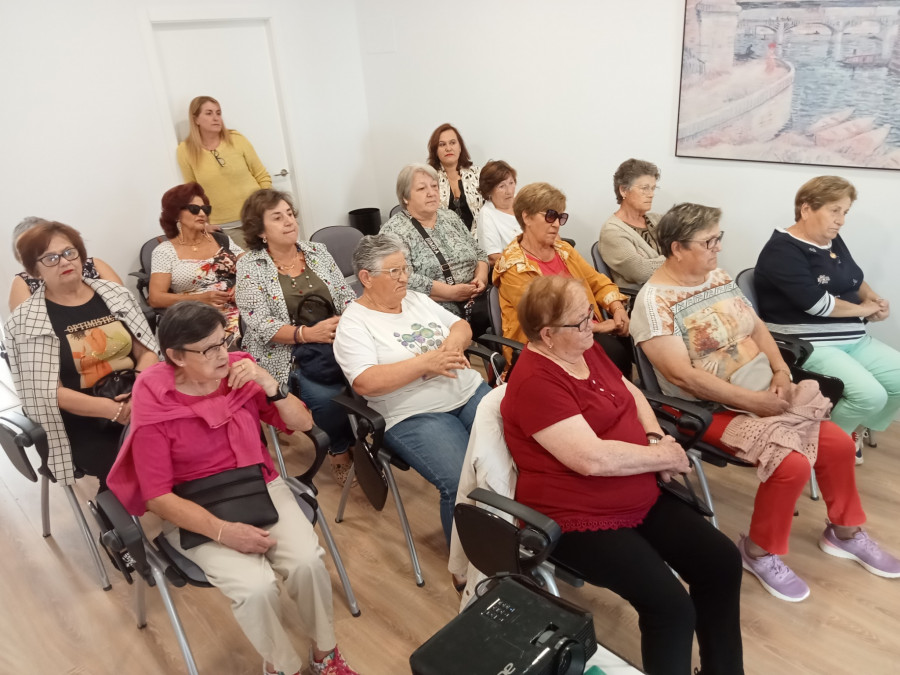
115 383
316 359
237 495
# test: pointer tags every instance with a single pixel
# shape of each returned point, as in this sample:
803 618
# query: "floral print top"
199 276
459 248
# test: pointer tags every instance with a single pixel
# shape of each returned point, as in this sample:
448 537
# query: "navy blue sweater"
797 283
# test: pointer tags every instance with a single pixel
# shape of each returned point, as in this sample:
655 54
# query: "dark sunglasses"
195 209
552 216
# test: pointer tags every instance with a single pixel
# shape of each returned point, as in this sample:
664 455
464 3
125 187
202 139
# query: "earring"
264 240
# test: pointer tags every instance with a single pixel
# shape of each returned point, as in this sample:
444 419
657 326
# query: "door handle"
283 172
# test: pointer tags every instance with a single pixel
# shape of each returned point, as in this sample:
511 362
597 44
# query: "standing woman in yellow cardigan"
223 162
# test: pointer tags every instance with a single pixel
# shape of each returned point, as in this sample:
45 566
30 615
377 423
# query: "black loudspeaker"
513 629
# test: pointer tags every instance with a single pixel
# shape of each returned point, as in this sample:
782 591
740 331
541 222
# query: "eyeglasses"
582 325
219 158
552 216
210 352
195 209
712 242
52 259
395 272
646 189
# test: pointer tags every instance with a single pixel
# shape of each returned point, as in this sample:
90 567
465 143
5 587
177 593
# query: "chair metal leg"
156 566
404 523
813 486
338 562
704 485
278 454
345 493
88 537
547 577
45 505
140 602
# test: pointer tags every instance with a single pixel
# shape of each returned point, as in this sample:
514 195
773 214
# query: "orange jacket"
514 271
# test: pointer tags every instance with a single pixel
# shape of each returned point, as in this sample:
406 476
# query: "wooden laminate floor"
55 619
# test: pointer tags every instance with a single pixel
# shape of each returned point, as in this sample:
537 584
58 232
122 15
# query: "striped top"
797 283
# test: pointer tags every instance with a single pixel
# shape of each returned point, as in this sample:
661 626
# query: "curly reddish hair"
173 203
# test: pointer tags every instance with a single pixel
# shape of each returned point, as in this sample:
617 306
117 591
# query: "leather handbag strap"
442 261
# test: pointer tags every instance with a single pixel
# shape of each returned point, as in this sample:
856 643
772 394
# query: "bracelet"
297 335
786 371
118 412
221 529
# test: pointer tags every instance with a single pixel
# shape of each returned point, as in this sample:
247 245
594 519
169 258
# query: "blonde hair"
193 142
822 190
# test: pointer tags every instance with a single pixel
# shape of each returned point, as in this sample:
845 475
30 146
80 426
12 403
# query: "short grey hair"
682 222
405 179
374 248
22 228
629 171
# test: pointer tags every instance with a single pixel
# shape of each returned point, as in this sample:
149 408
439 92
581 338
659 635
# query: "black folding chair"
157 563
17 433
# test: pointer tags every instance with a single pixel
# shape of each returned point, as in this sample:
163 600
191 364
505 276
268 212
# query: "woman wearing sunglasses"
538 251
706 342
62 340
223 162
193 263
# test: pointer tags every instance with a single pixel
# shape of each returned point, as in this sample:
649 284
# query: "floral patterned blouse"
459 248
199 276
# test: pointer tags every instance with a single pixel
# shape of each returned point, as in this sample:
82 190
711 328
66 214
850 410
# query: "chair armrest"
682 419
34 434
526 514
125 533
794 350
360 408
321 442
491 340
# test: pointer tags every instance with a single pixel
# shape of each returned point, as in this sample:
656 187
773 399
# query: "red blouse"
539 395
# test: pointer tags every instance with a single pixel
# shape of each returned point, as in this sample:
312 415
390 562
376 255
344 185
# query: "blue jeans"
327 414
434 444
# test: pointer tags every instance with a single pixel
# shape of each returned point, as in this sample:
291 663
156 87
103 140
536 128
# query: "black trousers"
631 562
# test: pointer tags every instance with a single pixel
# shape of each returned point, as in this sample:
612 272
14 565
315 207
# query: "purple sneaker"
861 549
774 575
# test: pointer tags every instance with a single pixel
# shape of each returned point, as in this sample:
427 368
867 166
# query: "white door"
232 61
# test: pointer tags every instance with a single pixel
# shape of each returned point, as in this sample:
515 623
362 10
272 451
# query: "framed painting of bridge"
792 81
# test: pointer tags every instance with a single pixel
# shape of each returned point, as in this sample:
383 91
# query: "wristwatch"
279 395
653 438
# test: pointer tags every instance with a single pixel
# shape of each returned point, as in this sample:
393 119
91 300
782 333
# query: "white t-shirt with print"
366 338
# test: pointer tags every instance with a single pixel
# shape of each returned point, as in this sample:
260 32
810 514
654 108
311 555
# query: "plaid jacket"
264 311
34 361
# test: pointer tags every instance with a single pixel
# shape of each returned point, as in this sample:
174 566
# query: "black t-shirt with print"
92 343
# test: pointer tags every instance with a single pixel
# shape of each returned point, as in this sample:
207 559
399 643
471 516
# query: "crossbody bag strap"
442 261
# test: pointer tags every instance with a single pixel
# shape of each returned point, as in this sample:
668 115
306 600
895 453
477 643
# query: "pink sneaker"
861 549
333 664
776 577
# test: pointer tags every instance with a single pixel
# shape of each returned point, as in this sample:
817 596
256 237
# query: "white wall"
87 141
565 90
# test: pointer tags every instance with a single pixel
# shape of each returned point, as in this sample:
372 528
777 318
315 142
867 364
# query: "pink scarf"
154 402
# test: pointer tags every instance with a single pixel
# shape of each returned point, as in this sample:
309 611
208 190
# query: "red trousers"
776 498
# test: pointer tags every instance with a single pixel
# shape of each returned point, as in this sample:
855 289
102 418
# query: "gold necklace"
196 246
